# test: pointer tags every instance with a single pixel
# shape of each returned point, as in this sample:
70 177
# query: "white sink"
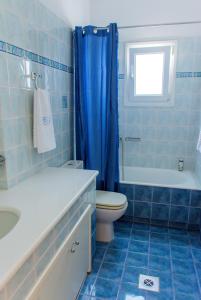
8 219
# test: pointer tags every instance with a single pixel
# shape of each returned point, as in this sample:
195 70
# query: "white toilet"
110 207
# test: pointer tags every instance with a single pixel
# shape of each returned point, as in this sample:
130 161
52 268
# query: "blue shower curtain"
96 102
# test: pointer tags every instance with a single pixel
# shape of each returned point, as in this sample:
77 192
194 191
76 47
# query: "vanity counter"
42 200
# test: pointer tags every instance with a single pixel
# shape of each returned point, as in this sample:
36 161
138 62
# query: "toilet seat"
110 200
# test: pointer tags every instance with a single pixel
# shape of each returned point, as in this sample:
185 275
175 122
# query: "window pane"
149 74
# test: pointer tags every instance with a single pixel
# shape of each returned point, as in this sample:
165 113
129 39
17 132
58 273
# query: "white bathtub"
160 177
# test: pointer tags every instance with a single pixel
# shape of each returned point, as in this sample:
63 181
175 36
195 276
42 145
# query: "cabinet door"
64 275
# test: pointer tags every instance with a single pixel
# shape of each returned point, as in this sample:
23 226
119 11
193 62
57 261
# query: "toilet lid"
110 200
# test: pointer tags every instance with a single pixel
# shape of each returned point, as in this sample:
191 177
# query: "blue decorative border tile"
178 75
2 46
188 74
17 51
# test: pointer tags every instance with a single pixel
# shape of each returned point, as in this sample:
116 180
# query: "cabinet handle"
72 249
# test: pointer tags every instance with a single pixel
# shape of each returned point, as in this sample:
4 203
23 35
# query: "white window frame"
169 49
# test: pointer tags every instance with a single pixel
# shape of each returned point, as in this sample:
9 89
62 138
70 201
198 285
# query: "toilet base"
104 232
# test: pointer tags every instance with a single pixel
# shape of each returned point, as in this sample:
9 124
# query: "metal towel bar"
132 139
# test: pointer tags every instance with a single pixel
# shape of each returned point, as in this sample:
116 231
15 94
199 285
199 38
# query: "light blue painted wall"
31 26
167 133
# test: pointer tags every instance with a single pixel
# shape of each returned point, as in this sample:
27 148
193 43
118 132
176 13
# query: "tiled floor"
171 254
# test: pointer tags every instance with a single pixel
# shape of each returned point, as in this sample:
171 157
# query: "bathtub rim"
160 185
196 187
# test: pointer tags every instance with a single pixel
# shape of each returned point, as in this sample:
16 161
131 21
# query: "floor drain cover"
149 283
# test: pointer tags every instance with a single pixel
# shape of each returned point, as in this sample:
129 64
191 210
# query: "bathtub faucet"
180 165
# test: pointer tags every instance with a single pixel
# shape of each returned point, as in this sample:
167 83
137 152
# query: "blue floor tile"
131 274
173 255
130 291
159 238
181 296
159 249
198 269
186 284
110 271
102 244
179 232
88 285
197 254
178 240
105 289
96 266
120 224
195 242
195 234
139 246
159 296
137 259
140 235
99 253
122 232
166 284
181 253
119 243
115 256
143 227
156 262
182 266
83 297
158 229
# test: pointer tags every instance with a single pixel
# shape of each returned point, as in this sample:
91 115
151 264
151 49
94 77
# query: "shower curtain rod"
154 25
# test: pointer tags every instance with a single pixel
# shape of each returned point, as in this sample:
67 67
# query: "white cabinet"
63 277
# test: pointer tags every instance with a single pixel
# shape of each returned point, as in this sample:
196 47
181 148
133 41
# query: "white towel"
199 142
43 135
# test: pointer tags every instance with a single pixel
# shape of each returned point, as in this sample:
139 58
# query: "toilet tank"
73 164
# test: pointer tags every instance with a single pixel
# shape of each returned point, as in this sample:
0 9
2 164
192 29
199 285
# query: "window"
150 73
